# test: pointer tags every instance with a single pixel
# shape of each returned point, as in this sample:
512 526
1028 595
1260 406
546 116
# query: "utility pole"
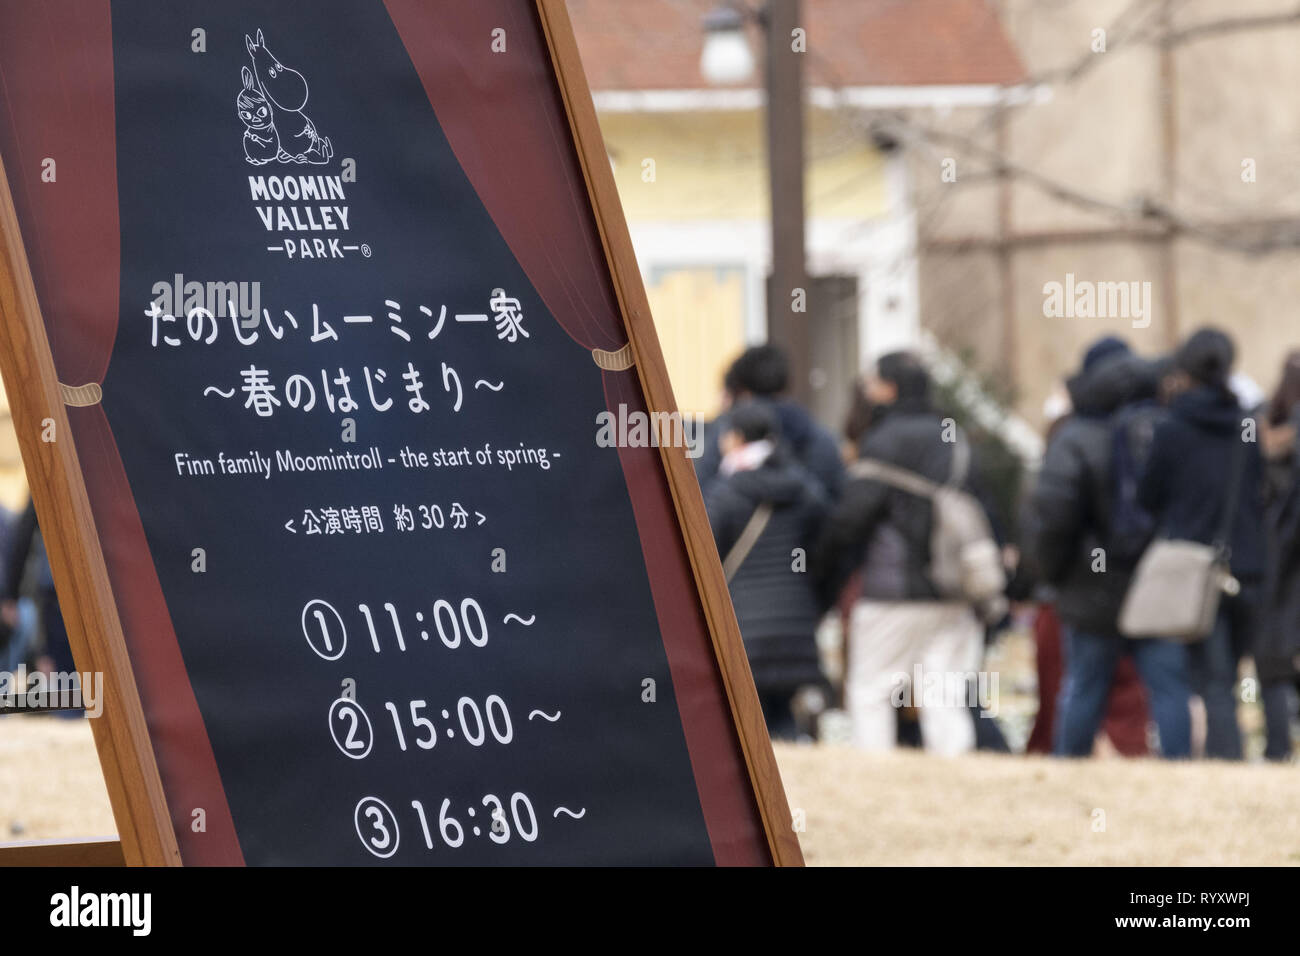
788 288
1167 104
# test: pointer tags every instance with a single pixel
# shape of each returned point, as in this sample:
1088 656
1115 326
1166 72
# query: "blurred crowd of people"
32 633
892 531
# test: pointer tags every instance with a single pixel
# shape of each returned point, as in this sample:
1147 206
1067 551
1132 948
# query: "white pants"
888 641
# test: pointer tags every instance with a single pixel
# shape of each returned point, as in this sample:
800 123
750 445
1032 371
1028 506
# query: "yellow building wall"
713 165
698 166
698 314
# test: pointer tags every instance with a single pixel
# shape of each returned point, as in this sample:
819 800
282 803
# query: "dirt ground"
856 809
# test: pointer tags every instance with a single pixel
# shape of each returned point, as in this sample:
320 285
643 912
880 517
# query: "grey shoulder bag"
1178 584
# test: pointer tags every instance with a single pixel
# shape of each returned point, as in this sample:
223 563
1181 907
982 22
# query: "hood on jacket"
1211 409
796 424
778 480
1104 348
1116 381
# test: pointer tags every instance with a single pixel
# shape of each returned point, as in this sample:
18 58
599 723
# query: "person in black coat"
1073 532
775 601
763 372
1277 645
1184 486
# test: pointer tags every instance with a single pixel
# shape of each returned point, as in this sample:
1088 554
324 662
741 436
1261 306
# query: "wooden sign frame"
81 577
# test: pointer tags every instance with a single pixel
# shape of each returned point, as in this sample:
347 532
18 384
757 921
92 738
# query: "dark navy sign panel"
609 780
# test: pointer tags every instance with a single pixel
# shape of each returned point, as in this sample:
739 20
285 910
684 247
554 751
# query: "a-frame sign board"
331 317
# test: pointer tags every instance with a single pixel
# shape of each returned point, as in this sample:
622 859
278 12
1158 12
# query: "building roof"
656 44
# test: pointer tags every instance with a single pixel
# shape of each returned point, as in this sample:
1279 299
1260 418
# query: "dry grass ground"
50 783
897 809
908 808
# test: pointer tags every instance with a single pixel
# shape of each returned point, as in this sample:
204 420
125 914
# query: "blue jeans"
1276 697
22 638
1090 661
1214 679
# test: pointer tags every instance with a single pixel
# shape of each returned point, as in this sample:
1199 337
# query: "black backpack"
1131 526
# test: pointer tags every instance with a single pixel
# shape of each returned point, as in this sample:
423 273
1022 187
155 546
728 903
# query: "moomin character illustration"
261 142
286 91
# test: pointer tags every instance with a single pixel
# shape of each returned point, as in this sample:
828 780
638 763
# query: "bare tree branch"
1230 25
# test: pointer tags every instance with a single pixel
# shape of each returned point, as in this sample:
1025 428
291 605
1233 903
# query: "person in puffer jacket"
776 603
1072 502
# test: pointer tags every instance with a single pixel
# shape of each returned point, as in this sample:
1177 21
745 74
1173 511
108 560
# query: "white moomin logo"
277 130
271 105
